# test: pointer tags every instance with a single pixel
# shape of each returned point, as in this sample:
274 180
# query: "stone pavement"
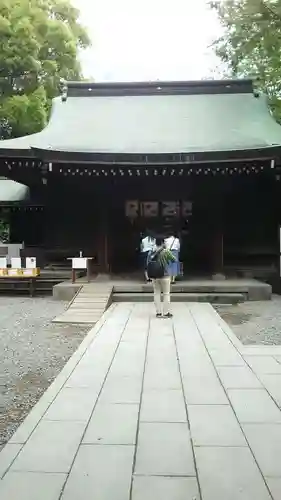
145 409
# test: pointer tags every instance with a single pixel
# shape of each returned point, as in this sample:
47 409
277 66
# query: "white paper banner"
3 262
30 262
16 262
79 263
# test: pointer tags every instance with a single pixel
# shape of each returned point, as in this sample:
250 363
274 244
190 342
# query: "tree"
39 45
251 43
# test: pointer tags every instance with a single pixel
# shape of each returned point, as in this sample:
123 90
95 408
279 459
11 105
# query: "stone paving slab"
238 377
260 350
274 484
8 455
163 406
229 474
226 356
204 390
164 449
272 383
32 486
51 447
165 488
122 390
265 441
254 406
264 364
214 425
114 424
139 401
101 472
72 404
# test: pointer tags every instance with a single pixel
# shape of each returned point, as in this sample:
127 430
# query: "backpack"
155 269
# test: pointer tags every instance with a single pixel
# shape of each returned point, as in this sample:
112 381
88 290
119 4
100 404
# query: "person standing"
158 270
147 245
173 243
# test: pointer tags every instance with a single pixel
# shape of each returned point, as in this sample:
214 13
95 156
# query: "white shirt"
147 244
172 243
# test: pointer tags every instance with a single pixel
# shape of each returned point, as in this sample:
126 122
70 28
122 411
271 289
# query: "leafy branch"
251 43
39 44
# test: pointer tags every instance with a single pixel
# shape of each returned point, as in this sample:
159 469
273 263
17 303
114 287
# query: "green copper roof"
156 123
12 191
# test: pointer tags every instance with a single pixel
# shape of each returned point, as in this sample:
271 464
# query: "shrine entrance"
130 219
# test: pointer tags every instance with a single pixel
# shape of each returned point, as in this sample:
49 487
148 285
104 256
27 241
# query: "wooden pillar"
103 250
218 245
218 260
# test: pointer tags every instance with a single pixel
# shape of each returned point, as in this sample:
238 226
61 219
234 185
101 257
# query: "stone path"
145 409
88 305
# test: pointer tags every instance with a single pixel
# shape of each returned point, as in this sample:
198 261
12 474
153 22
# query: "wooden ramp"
88 305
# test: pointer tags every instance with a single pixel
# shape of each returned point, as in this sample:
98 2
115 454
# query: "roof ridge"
89 89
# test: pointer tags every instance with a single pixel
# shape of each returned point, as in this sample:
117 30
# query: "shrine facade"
200 158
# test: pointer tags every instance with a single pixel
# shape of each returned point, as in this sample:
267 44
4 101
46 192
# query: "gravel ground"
255 322
32 353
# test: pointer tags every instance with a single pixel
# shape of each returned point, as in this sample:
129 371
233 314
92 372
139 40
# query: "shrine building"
201 158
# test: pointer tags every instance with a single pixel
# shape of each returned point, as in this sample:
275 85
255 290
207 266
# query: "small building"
201 158
12 194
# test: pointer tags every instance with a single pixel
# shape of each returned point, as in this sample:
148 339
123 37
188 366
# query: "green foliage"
4 231
39 44
251 43
165 257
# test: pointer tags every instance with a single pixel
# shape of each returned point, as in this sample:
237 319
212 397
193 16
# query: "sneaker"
159 315
168 315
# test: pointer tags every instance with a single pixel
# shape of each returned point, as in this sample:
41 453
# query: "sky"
136 40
